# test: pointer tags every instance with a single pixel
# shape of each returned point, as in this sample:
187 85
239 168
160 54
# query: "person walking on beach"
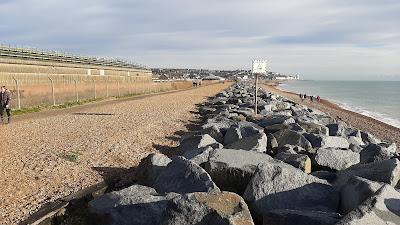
5 101
318 99
311 98
301 96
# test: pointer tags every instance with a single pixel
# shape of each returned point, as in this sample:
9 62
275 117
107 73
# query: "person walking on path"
5 101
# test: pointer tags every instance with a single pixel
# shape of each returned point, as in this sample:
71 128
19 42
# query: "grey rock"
299 217
299 161
383 208
149 168
221 208
206 110
290 137
281 186
369 138
198 156
271 142
335 129
336 159
314 139
136 204
256 142
214 132
275 119
196 141
375 152
386 171
183 176
334 142
249 129
282 106
232 169
277 127
353 140
232 135
325 175
356 191
221 122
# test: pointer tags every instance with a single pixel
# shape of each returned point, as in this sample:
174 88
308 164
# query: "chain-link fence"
30 90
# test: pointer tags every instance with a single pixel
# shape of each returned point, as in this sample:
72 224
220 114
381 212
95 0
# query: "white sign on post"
259 66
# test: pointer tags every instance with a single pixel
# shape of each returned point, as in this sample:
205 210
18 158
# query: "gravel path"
42 159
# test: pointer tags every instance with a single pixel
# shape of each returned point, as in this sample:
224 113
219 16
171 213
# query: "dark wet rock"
335 129
375 152
299 217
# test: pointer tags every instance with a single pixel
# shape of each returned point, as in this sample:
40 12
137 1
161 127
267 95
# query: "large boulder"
290 137
199 156
314 128
336 159
334 142
281 186
232 169
369 138
214 132
383 208
299 217
232 135
220 208
219 121
256 142
335 129
196 141
136 204
150 167
277 127
356 191
300 161
376 152
386 171
183 176
275 119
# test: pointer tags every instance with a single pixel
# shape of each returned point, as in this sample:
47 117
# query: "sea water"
377 99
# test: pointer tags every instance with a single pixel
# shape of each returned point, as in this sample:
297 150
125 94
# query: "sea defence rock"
376 152
290 137
199 156
150 167
196 141
281 186
386 171
275 119
219 208
314 128
382 208
136 204
336 159
183 176
256 142
298 217
233 134
232 169
335 129
356 191
300 161
334 142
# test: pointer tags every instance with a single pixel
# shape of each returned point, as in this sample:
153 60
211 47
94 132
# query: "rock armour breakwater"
289 165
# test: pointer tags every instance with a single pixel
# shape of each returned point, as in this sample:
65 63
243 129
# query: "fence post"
119 93
94 83
76 90
18 94
52 90
108 78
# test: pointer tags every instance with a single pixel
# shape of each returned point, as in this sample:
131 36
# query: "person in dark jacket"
5 101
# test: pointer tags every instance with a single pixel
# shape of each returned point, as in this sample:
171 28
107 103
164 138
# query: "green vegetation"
72 156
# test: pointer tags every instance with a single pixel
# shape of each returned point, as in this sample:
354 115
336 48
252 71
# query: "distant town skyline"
317 39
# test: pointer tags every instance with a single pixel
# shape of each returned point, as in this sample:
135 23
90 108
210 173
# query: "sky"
317 39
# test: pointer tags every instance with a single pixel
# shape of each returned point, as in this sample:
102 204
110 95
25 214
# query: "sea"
377 99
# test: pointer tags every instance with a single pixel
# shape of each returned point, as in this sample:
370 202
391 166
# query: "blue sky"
318 39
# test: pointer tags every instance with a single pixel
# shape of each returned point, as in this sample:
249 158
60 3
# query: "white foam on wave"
375 115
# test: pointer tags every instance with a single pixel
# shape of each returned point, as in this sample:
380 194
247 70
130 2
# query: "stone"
136 204
336 159
206 110
183 176
334 142
198 156
299 217
282 106
271 142
375 152
386 171
219 121
335 129
281 186
196 141
220 208
290 137
325 175
314 139
369 138
256 142
299 161
249 129
383 208
232 169
355 192
275 119
149 168
214 132
277 127
232 135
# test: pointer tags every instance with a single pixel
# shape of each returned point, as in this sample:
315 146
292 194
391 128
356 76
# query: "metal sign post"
259 67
